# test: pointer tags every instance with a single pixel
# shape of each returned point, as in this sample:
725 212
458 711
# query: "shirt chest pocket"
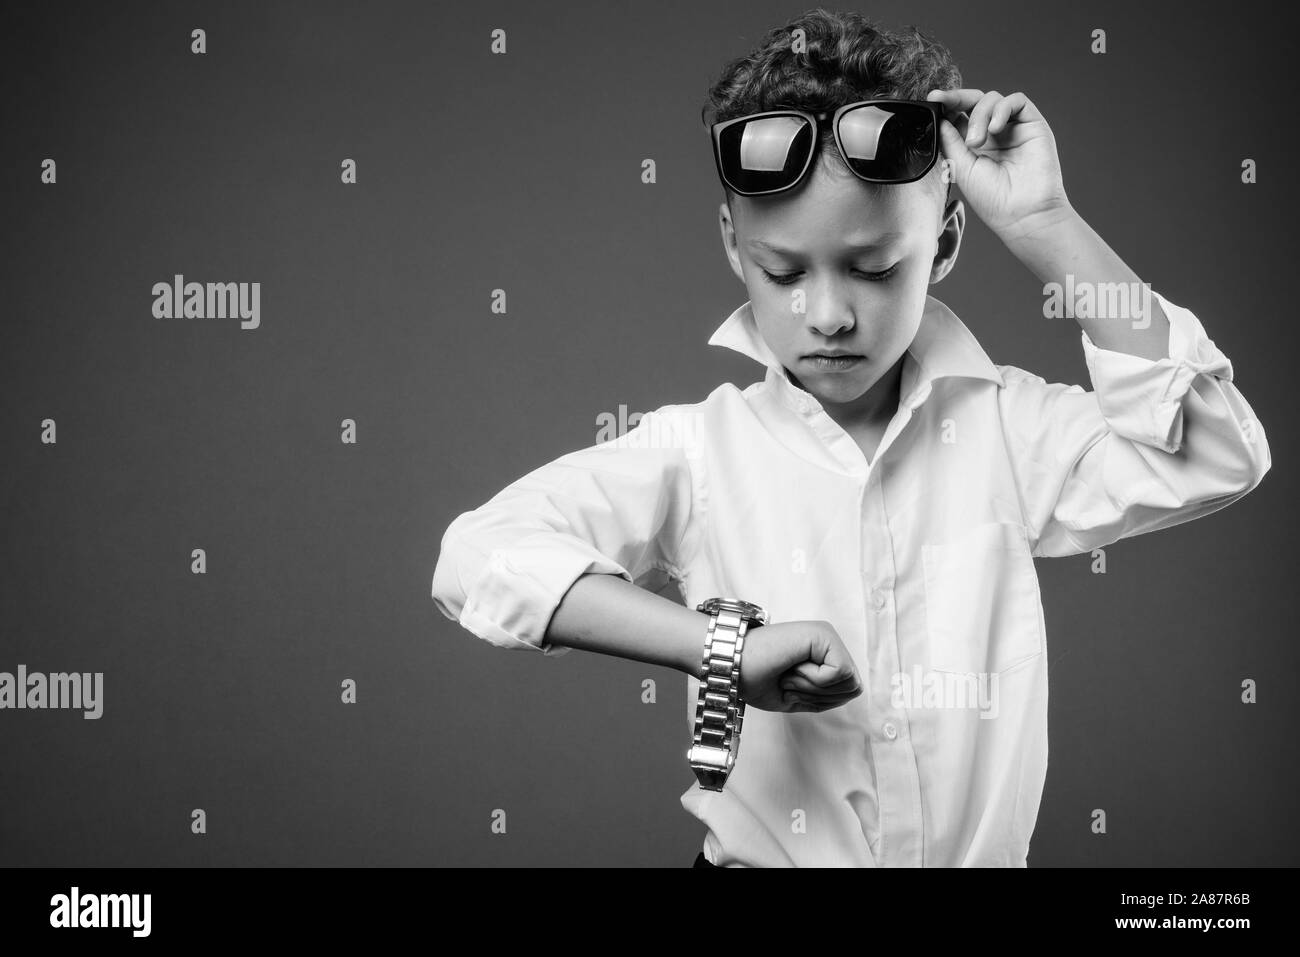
982 606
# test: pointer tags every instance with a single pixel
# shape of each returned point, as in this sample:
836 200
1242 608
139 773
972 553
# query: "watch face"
754 613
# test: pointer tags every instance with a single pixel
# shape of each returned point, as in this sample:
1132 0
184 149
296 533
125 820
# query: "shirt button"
877 599
891 732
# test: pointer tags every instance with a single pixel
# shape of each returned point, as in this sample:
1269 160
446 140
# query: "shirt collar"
942 347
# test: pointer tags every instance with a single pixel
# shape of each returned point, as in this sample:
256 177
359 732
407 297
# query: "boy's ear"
948 240
729 244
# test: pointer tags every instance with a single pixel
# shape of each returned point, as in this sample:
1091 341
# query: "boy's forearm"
1064 244
610 615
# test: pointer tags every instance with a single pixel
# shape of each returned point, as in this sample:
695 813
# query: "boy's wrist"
1029 231
693 630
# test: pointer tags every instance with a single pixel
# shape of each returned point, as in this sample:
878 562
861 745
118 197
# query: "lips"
835 363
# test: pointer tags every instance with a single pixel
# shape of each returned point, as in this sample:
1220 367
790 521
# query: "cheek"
906 299
776 335
892 330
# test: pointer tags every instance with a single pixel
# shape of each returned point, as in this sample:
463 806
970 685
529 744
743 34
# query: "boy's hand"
1003 159
797 666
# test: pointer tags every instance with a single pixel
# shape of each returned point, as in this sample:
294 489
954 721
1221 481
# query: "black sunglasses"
882 141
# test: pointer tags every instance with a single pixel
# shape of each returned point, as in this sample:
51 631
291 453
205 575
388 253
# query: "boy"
883 505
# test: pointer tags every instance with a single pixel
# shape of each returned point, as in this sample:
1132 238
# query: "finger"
822 698
958 124
1008 107
810 704
849 689
822 676
796 682
977 131
953 111
956 101
1025 109
955 150
796 705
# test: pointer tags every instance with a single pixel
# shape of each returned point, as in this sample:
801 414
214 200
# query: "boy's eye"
786 279
783 280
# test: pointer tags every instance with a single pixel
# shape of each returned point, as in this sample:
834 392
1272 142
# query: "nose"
830 310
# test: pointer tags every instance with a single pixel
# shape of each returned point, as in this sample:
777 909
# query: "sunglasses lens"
889 141
765 154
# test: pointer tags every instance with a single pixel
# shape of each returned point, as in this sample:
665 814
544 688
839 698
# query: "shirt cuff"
512 603
1142 399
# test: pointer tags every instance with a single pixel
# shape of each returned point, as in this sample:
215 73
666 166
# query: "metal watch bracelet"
719 710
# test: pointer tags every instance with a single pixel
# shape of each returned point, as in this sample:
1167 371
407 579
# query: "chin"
843 389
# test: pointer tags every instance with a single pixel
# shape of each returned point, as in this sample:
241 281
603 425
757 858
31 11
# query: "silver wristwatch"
720 709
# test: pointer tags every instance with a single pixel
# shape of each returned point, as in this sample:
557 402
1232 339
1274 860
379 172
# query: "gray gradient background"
222 691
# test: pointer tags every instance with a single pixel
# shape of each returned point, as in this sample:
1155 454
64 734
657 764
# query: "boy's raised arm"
1158 443
1165 437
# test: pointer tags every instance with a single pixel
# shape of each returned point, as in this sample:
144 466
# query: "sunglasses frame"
816 120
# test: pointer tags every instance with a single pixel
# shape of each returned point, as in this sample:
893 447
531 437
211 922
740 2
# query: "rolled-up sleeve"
1155 444
621 507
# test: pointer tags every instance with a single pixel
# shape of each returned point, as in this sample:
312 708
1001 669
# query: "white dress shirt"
921 559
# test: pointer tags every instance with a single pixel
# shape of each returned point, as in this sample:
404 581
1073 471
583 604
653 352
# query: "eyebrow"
884 240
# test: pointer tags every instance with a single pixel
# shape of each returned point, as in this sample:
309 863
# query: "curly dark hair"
846 57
